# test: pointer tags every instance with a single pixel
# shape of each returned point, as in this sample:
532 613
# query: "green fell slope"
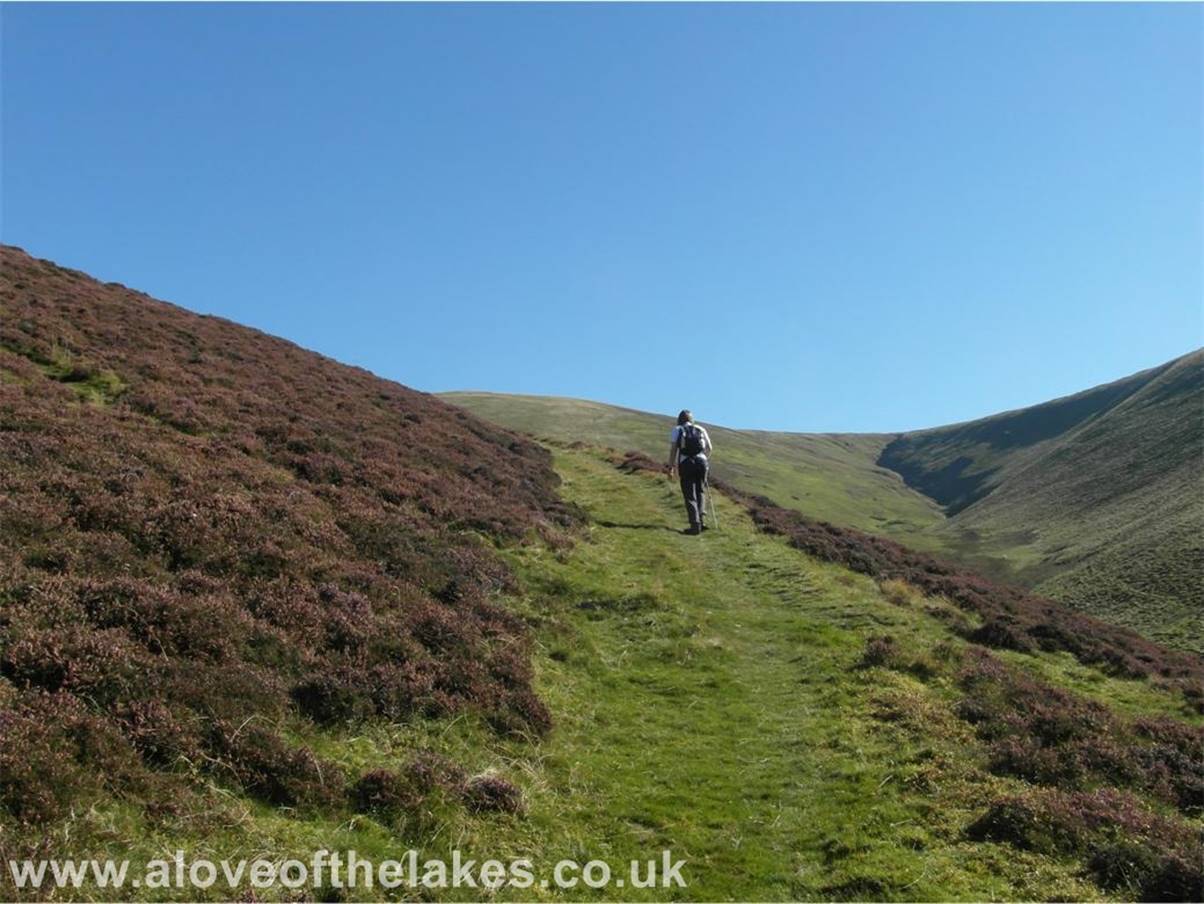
832 476
715 696
959 464
1095 499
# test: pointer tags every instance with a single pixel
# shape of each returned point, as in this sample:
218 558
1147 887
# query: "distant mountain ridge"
1094 498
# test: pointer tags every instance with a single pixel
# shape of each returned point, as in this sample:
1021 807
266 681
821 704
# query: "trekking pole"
711 500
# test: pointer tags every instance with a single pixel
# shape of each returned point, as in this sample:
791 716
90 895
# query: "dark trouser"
693 475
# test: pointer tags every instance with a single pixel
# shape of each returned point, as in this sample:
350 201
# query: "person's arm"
671 465
706 439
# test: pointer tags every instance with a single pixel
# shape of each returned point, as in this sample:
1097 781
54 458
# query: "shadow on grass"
672 530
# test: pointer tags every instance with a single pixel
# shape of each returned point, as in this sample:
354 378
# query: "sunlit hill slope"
256 603
1096 499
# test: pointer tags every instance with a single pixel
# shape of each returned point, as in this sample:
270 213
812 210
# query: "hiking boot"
703 527
693 530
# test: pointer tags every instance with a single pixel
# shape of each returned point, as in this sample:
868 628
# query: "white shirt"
675 439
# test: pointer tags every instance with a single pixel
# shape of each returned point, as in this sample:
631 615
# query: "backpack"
691 440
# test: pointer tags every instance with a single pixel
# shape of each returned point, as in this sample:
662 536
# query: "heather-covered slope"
206 531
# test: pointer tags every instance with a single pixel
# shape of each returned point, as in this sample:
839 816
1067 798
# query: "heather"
1010 617
206 532
1129 849
1046 735
1007 617
1049 736
711 696
414 796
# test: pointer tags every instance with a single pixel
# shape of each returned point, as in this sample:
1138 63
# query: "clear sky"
805 217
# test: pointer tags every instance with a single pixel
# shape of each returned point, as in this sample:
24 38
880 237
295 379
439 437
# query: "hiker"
690 446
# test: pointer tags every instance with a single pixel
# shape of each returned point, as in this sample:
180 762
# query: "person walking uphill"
688 456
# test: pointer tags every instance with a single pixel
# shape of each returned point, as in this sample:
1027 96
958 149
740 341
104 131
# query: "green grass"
1095 499
94 386
832 477
728 720
708 700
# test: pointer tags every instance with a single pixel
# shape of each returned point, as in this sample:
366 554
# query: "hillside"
962 463
206 532
831 476
1095 499
254 603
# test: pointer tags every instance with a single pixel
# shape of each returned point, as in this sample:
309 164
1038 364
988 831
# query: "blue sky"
805 217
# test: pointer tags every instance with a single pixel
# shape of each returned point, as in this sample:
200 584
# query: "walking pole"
711 499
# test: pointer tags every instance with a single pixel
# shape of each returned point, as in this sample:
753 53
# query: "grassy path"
708 700
829 476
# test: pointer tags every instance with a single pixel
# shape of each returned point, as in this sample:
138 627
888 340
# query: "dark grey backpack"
691 440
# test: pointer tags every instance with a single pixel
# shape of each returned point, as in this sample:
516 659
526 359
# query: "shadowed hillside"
1096 499
960 464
